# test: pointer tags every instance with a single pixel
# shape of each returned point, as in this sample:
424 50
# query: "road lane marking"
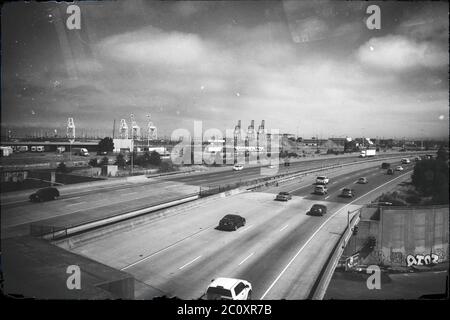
73 204
245 229
284 228
164 249
127 194
246 258
189 263
70 198
318 229
327 197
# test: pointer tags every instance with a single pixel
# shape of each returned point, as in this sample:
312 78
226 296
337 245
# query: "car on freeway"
317 210
348 193
238 167
385 165
270 166
322 180
44 194
417 159
229 289
321 190
390 171
406 161
362 180
231 222
399 168
283 196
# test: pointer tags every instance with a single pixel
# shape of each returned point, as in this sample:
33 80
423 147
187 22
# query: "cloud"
398 53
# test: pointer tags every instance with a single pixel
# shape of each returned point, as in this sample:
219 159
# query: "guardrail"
323 280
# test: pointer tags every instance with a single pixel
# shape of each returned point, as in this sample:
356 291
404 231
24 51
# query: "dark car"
283 196
390 171
385 165
231 222
318 210
44 194
347 193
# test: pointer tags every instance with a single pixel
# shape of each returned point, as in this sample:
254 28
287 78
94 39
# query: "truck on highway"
80 151
367 153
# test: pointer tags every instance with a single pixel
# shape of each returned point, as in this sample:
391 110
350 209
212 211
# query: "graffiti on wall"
422 260
400 259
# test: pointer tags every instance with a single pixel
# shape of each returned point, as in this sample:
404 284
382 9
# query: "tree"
104 161
120 161
442 154
93 162
155 158
430 177
106 144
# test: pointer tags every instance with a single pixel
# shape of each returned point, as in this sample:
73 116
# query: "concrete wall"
406 237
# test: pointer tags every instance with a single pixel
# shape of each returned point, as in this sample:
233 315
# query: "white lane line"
73 204
284 228
70 198
162 250
327 197
189 263
334 182
318 229
127 194
246 258
245 229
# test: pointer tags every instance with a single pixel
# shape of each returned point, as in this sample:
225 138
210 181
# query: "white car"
229 289
271 166
399 168
238 167
406 161
322 180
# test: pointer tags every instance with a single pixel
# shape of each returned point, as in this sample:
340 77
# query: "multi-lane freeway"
81 203
280 250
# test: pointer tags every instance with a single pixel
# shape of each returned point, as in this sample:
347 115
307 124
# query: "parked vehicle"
229 289
321 190
347 193
80 152
6 151
322 180
362 180
45 194
40 148
317 210
22 148
231 222
390 171
283 196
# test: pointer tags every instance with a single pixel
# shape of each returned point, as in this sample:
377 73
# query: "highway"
180 254
84 202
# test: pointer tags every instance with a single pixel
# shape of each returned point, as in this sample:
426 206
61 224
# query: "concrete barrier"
323 280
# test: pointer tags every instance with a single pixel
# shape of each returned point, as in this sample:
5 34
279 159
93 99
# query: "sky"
306 68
